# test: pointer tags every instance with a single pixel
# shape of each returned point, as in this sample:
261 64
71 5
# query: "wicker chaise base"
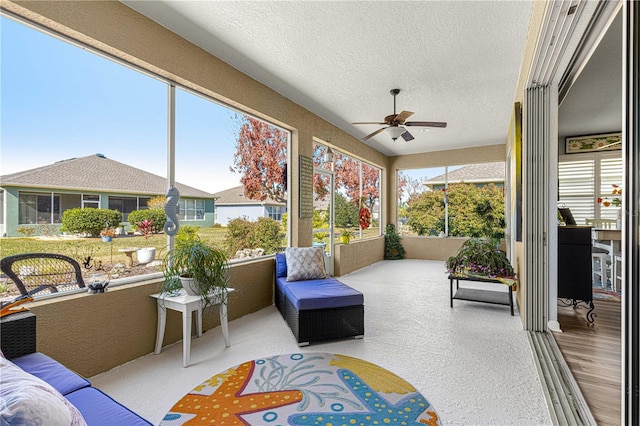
321 324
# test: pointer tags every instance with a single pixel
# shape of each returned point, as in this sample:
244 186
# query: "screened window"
38 208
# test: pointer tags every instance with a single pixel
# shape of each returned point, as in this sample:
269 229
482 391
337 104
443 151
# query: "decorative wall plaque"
306 187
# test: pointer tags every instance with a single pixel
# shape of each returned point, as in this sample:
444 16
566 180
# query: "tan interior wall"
431 248
92 333
118 30
454 157
357 254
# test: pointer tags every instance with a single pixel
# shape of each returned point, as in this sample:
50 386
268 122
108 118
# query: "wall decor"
590 143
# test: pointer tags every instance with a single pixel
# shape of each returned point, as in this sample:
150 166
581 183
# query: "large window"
357 192
274 212
465 200
586 183
38 208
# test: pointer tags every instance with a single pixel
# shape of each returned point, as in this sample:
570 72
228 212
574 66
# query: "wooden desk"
188 305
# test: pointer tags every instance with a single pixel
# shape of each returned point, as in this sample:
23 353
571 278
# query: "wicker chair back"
41 273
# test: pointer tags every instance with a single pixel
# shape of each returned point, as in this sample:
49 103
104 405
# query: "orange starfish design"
226 405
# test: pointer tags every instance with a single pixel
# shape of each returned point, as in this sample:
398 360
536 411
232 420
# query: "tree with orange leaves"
260 158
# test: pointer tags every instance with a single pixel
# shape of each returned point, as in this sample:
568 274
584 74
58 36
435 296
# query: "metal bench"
42 273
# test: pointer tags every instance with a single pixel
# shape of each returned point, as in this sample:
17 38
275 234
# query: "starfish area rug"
304 389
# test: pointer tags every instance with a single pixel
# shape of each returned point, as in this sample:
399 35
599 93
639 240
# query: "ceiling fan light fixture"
395 131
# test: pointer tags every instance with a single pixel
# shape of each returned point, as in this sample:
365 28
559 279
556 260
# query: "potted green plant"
146 254
480 257
198 267
319 240
345 236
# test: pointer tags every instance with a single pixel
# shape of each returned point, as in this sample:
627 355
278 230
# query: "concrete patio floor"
473 363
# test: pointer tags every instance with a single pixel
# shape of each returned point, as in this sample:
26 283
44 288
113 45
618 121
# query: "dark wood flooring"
593 354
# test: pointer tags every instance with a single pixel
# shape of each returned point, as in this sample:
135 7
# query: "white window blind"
582 180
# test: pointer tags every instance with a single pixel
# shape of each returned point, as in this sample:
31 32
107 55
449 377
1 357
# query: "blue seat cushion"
52 372
281 265
319 294
100 409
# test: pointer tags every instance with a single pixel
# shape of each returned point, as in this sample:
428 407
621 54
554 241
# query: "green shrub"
268 235
242 234
187 233
239 234
89 220
159 218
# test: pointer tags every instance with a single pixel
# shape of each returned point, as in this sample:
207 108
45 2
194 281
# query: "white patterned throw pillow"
304 263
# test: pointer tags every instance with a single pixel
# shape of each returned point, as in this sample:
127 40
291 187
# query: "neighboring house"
38 197
478 174
231 203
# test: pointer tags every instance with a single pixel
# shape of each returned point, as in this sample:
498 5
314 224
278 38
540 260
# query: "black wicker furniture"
318 309
42 273
21 363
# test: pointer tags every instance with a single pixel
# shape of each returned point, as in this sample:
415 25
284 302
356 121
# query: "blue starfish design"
378 411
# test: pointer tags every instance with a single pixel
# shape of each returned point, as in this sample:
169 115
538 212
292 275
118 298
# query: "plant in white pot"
146 254
198 267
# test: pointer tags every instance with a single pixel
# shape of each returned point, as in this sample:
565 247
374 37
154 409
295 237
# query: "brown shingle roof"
484 172
96 173
235 195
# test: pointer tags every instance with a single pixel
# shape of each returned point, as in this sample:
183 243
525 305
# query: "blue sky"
60 101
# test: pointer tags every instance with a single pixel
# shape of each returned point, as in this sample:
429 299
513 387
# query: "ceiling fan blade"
407 136
370 122
426 123
366 138
400 118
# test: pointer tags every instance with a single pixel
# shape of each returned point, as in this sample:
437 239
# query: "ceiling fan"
395 123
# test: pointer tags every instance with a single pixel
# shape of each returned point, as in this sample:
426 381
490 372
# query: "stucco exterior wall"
225 213
92 333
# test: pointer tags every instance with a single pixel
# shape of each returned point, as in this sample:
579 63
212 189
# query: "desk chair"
601 266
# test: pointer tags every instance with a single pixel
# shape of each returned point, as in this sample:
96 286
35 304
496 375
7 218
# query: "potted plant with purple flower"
146 254
480 257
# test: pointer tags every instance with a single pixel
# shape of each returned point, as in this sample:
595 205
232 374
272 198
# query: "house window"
274 212
191 210
583 178
92 201
38 208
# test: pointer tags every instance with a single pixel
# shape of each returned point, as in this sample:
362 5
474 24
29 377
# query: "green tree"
473 211
346 212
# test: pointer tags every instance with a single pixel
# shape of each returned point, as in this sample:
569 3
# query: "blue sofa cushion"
281 265
52 372
98 408
319 294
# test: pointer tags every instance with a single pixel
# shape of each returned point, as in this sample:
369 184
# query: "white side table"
186 304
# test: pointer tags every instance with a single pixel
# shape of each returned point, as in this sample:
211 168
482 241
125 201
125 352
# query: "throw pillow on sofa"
29 400
305 263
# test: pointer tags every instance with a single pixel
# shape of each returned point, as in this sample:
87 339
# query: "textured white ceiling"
454 61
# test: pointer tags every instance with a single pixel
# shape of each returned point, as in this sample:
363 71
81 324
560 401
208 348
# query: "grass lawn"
80 248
